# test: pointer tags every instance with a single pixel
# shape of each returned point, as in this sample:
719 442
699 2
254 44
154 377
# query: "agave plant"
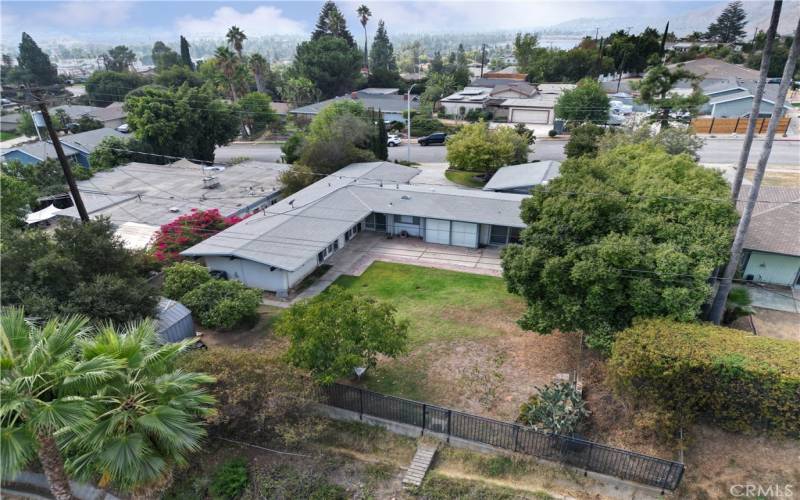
149 416
42 392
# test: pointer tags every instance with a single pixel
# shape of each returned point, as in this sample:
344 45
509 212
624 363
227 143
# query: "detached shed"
174 321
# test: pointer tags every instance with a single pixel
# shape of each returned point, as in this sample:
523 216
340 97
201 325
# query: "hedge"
701 371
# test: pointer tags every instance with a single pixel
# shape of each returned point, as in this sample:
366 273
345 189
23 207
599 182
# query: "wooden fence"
735 125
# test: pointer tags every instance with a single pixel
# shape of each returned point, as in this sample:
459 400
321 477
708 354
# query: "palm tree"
364 14
227 62
259 66
236 38
42 389
150 416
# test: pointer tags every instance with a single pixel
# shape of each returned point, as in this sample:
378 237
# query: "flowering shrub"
188 230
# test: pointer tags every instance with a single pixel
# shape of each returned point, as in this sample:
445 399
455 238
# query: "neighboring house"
522 178
9 122
77 147
513 101
141 197
276 251
772 245
387 101
462 102
539 109
112 116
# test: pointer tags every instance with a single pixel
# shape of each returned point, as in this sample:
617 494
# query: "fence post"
360 404
424 411
711 127
736 127
449 415
516 437
588 459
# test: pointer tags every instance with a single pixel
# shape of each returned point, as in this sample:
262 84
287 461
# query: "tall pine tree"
34 64
729 26
382 147
383 65
186 57
331 22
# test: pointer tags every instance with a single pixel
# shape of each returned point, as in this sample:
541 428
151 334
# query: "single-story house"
275 250
141 197
389 102
522 178
462 102
538 109
512 100
112 116
772 245
77 147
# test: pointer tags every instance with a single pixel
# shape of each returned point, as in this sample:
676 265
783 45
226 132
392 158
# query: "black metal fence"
587 455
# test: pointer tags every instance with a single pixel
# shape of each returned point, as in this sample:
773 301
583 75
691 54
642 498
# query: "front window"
498 235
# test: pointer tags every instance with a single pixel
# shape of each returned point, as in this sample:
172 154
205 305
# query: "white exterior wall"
773 268
252 274
454 108
296 276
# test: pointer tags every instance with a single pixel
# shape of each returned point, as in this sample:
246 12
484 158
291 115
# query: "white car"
124 128
394 140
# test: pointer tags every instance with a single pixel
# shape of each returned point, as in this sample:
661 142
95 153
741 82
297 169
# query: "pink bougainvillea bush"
188 230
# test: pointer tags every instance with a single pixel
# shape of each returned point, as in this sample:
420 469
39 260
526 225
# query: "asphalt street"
784 153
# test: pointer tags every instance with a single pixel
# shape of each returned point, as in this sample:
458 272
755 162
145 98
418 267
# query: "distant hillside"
758 14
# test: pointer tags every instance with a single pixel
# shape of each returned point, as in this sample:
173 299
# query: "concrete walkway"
785 299
367 247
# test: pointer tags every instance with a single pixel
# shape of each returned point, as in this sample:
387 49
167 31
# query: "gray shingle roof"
88 141
294 230
42 150
775 225
523 176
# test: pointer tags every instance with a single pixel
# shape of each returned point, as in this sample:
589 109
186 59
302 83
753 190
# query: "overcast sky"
110 20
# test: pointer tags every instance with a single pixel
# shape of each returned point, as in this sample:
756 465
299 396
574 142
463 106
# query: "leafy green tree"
729 26
439 85
34 65
183 277
222 303
336 331
86 123
292 148
163 56
46 177
363 16
673 140
255 111
331 23
381 143
437 64
44 388
524 50
149 416
177 75
48 275
119 59
607 239
186 56
330 63
299 91
296 178
383 65
588 102
187 122
583 140
105 87
228 63
18 197
656 90
477 148
236 38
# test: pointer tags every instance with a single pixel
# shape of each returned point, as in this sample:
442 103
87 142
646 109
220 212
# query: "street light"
408 117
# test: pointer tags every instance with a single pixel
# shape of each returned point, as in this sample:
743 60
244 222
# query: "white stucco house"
276 249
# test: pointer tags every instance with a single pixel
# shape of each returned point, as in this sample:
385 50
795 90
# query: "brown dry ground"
780 179
777 324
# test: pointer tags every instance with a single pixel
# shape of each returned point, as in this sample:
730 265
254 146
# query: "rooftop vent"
210 182
405 197
174 210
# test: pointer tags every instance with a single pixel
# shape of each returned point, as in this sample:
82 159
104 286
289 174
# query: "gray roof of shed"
522 176
170 312
295 229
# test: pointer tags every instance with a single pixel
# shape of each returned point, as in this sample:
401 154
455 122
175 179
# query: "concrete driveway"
368 247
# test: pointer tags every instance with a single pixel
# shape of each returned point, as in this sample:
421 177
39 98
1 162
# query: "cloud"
72 14
261 21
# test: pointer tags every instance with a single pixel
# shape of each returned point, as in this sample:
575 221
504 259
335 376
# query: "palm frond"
17 448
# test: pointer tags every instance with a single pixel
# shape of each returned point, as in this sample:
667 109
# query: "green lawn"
462 178
441 306
4 136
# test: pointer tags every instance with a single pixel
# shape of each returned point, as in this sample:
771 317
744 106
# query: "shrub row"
718 374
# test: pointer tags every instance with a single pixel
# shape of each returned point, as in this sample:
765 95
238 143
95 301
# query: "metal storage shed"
174 321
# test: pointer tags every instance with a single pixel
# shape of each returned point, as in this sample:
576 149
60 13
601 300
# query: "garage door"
464 234
530 115
437 231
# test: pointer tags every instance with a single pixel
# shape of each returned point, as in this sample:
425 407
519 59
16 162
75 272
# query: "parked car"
124 128
434 138
394 140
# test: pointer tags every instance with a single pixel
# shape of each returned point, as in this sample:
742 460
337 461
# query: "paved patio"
368 247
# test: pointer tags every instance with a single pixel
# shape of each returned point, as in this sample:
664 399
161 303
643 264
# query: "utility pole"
73 188
408 117
766 53
726 281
